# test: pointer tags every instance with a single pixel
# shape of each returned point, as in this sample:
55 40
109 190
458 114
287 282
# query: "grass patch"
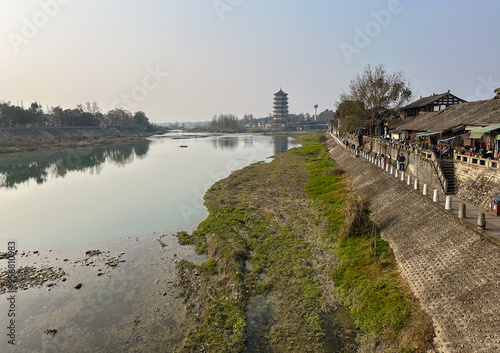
367 277
288 219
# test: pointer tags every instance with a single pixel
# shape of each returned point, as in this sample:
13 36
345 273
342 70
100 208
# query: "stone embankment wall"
452 270
477 184
67 132
419 167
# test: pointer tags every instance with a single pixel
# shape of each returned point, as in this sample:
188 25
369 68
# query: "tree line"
373 96
87 114
230 122
225 122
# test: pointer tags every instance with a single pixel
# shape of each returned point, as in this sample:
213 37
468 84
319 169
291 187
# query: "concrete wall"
450 267
418 166
477 184
66 132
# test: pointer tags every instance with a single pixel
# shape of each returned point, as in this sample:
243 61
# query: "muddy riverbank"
116 296
50 138
288 246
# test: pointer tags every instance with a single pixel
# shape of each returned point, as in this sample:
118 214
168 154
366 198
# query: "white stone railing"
477 161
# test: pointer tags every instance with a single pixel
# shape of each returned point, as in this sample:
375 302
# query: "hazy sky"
190 59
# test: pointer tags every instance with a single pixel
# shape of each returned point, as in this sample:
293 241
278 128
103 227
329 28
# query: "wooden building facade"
433 103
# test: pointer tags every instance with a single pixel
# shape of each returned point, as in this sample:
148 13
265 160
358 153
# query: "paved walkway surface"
450 266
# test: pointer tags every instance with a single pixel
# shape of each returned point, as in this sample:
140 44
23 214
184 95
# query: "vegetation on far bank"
27 144
88 114
296 221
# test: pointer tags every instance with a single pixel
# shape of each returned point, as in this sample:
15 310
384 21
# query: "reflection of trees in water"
225 143
280 144
248 141
141 148
21 168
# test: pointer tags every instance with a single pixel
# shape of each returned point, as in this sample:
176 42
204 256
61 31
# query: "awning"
446 142
478 133
427 134
457 128
470 128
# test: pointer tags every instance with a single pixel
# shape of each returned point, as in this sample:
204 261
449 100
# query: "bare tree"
89 107
119 117
378 93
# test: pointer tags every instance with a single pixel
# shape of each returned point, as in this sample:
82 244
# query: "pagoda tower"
280 112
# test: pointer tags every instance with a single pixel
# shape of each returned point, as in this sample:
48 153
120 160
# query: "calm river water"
125 202
77 197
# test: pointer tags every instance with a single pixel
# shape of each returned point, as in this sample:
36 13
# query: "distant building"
477 123
280 112
433 103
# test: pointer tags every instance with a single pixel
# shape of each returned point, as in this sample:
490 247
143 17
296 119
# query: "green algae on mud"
284 218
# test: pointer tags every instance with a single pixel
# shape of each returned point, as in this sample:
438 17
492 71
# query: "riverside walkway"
492 224
451 266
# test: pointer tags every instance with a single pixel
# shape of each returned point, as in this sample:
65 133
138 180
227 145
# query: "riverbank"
450 266
111 296
281 233
37 139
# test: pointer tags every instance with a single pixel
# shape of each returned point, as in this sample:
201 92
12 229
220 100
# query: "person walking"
402 160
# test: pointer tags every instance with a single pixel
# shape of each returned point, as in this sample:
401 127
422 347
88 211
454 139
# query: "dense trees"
87 114
225 122
373 95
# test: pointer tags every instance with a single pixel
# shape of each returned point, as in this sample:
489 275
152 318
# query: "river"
125 202
76 197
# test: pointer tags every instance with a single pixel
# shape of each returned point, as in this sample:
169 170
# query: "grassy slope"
286 218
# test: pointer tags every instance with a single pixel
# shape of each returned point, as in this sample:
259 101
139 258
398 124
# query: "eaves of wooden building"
434 103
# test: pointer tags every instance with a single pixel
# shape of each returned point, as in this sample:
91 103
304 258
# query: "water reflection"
39 166
230 143
226 143
248 140
280 144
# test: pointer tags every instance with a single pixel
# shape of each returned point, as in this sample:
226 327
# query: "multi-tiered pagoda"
280 107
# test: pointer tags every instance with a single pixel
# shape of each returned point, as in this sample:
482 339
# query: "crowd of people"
384 159
482 152
356 150
388 160
402 141
441 151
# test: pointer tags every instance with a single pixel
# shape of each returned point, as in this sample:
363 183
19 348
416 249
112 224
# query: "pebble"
30 277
